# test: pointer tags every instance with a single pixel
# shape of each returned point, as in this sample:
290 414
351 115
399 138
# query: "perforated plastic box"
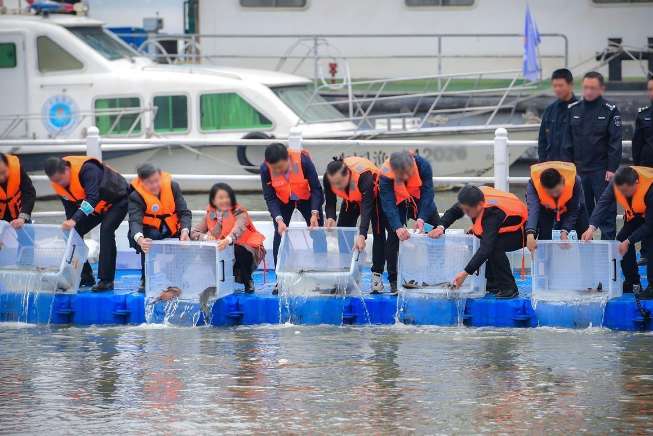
40 257
431 264
198 269
576 271
319 261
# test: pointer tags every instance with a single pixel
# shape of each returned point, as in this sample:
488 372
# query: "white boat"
63 74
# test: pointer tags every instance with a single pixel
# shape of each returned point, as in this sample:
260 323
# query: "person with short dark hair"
228 223
593 142
289 181
157 210
498 220
92 194
355 180
17 193
556 116
631 189
406 191
555 199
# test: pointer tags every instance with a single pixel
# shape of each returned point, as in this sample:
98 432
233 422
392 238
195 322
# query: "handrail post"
93 143
295 141
501 159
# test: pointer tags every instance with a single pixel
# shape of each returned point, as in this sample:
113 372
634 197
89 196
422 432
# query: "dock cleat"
377 283
507 294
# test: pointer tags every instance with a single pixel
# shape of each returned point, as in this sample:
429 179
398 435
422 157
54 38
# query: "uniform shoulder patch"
610 106
642 109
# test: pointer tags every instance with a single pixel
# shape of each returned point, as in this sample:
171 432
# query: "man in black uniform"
593 142
92 194
17 193
556 116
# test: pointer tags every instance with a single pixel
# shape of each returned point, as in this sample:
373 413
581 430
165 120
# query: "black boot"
506 294
103 286
87 281
249 286
393 288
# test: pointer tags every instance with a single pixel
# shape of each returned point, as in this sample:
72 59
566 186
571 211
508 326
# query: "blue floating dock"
125 306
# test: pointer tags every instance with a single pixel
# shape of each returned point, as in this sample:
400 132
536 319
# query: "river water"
294 379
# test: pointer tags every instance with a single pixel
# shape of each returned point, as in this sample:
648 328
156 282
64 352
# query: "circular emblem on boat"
60 114
155 207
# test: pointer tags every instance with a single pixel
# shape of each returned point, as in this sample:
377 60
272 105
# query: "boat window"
103 42
308 105
421 3
7 55
118 116
229 111
273 3
52 57
171 113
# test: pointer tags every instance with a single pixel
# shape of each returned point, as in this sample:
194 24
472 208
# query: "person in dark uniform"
593 142
406 191
556 116
631 189
17 193
643 146
92 194
157 210
289 181
498 220
355 180
554 196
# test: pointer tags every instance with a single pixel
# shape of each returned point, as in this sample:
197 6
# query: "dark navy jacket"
593 137
643 137
602 212
426 209
567 219
273 202
552 130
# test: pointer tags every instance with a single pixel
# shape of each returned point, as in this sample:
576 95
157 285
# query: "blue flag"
531 68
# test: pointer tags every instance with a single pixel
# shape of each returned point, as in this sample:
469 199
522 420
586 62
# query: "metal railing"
93 145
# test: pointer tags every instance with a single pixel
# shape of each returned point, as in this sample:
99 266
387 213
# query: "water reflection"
390 380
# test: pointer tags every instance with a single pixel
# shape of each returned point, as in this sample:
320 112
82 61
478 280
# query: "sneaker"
393 289
642 261
646 294
507 294
87 282
102 286
377 283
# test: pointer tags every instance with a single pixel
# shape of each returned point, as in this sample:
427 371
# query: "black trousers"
348 217
153 234
497 268
304 207
108 222
547 222
392 244
629 262
244 264
593 186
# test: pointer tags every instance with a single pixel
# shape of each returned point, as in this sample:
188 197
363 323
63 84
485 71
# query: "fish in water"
205 297
412 284
169 293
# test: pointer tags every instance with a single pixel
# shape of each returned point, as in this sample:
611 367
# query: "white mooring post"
295 141
93 145
501 167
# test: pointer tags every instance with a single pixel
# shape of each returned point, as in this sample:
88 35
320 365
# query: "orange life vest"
409 190
637 204
12 197
161 209
296 183
250 237
75 191
568 172
357 166
509 203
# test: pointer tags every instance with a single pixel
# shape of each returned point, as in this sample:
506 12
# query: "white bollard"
295 138
93 144
501 167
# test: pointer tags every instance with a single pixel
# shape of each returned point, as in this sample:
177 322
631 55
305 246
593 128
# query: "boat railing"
93 145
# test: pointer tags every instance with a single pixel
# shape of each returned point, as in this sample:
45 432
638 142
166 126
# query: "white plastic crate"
318 261
576 271
197 268
40 257
433 263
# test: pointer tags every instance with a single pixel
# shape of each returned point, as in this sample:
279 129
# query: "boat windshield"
308 105
103 42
